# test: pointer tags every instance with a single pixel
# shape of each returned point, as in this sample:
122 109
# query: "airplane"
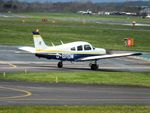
148 16
88 12
79 51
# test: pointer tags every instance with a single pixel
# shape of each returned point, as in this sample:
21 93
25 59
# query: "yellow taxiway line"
83 99
27 93
10 64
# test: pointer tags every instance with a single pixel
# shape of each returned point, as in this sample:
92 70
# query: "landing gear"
60 64
94 66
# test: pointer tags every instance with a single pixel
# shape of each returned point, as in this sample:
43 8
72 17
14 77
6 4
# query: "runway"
14 60
24 93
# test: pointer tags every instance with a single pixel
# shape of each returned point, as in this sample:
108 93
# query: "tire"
94 67
60 65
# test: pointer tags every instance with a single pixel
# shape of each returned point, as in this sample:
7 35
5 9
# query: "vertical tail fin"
38 41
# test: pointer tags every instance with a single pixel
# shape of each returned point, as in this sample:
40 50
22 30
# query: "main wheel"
60 64
94 67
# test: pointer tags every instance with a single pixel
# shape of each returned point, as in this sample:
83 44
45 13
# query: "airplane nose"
101 50
104 51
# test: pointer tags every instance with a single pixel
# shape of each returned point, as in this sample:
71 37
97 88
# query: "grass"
74 109
14 32
113 78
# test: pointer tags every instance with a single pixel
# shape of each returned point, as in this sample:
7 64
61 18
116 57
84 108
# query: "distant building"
117 13
104 13
146 11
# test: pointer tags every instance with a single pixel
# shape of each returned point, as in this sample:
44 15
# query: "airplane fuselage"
63 57
70 52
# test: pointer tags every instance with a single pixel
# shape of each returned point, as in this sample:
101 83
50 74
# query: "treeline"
16 6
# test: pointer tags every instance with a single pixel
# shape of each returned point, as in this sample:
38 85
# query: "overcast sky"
81 0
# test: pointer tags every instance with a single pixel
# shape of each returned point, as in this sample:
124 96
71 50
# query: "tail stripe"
38 41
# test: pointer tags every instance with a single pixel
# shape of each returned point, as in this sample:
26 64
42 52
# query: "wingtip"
137 54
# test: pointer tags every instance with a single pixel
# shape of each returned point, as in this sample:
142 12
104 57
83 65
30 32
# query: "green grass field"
15 32
75 109
108 78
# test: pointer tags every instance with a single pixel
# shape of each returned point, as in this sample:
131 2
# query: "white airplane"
88 12
76 51
148 16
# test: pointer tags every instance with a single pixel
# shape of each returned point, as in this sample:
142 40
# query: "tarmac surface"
14 60
24 93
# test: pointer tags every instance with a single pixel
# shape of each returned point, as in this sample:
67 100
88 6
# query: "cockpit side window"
73 49
79 48
87 47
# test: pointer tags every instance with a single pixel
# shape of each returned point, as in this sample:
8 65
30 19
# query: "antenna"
61 42
52 44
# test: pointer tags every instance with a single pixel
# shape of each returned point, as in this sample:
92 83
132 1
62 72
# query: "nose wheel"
60 64
94 66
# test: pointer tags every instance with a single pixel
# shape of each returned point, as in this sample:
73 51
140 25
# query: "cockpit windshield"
87 47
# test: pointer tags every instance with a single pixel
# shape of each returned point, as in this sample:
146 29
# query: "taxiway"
14 60
25 93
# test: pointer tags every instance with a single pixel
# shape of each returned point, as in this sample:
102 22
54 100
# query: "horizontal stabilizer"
109 56
28 49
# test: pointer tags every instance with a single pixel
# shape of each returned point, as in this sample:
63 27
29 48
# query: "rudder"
38 41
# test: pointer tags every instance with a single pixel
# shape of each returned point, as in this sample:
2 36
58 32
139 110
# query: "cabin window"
87 47
73 49
79 48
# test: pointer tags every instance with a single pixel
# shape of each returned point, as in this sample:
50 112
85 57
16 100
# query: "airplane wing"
28 49
109 56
